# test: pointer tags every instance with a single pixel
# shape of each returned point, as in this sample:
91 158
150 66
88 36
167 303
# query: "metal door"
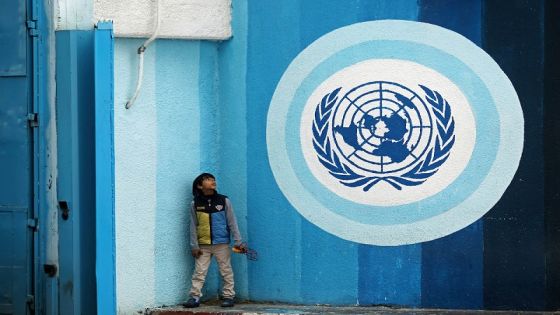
16 164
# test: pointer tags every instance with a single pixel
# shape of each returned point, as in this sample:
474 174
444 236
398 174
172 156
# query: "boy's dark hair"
198 181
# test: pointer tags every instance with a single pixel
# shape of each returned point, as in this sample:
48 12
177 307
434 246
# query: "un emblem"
383 132
393 132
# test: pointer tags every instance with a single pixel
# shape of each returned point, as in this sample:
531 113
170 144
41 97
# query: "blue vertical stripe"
178 146
551 128
320 17
209 130
387 9
329 268
329 264
233 134
452 270
105 170
452 266
208 105
463 17
274 224
514 237
389 275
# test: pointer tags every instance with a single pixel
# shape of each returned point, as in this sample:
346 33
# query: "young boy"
212 222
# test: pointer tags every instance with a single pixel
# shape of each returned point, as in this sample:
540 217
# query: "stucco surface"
135 179
186 19
162 142
178 122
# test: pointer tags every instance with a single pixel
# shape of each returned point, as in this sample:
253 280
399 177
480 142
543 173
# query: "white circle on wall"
369 101
393 132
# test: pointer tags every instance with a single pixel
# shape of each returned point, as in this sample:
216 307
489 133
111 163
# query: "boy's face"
208 185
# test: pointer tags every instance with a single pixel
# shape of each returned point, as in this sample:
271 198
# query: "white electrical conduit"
141 51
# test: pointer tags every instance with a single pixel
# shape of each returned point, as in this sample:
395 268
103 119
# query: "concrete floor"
213 307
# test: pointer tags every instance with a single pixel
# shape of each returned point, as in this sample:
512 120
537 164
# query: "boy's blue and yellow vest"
212 226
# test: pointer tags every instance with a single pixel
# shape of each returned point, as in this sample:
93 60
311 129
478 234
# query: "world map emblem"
382 132
373 134
393 132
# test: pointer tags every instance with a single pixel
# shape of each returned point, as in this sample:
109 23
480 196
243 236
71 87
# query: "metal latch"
33 224
32 28
33 119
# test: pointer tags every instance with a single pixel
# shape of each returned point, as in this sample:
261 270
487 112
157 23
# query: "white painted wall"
180 19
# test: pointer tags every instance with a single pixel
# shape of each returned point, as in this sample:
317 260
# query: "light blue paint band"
178 149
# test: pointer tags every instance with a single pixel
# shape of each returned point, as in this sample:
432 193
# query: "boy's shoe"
228 303
192 303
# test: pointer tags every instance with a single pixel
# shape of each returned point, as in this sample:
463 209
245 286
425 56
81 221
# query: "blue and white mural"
394 132
372 148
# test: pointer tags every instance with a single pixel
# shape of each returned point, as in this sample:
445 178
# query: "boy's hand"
241 248
196 252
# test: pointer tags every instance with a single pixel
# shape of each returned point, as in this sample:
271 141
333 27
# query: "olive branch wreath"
437 155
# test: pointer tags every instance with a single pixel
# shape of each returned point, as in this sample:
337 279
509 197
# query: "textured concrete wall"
135 180
187 19
171 134
157 152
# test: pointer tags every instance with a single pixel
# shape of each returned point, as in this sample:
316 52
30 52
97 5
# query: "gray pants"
222 254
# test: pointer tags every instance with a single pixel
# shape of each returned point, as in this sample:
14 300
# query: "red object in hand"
239 249
243 249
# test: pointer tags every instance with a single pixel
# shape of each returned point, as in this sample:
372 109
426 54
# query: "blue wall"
497 262
204 107
514 242
452 271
